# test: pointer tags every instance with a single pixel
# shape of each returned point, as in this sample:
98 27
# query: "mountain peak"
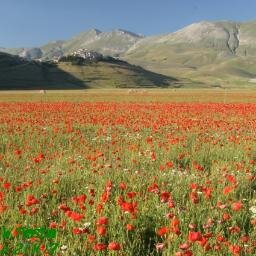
123 31
95 30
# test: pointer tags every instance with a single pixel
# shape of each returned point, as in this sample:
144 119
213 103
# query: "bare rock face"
31 53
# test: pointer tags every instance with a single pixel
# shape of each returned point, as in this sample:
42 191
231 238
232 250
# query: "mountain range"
210 54
111 43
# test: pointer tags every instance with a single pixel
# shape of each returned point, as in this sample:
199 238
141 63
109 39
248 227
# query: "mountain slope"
108 43
18 73
52 49
196 52
117 74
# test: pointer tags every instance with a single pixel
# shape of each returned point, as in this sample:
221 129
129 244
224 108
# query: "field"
146 172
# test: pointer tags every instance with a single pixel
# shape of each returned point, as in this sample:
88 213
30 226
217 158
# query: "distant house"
55 59
87 54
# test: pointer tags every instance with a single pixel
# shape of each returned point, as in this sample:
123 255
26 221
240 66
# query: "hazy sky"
35 22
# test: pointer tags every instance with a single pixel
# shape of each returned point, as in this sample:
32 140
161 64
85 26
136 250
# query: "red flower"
101 230
235 249
153 188
6 185
169 164
194 236
225 216
74 215
153 156
122 186
53 225
79 199
184 246
194 197
130 227
227 190
78 231
91 238
162 231
105 196
64 207
99 208
39 158
231 178
113 246
197 166
99 247
17 152
164 196
102 221
244 239
175 225
207 192
237 206
129 207
131 194
42 247
31 200
1 196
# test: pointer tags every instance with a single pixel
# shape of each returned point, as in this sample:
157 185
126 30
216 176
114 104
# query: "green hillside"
216 53
16 73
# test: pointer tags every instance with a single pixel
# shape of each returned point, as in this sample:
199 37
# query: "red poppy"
122 186
130 227
235 249
102 221
194 236
99 247
162 231
114 246
31 200
79 199
6 185
74 215
237 206
101 230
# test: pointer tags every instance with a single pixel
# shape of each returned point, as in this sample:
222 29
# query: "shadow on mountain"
152 79
76 74
19 74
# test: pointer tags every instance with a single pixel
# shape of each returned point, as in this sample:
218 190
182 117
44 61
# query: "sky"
31 23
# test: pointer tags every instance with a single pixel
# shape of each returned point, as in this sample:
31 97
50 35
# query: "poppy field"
145 176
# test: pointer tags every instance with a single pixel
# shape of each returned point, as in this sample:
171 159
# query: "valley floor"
133 95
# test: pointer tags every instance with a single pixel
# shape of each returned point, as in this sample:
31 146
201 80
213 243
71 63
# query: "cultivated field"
146 172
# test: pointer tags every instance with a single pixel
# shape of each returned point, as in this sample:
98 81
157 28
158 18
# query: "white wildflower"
87 224
253 209
63 247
